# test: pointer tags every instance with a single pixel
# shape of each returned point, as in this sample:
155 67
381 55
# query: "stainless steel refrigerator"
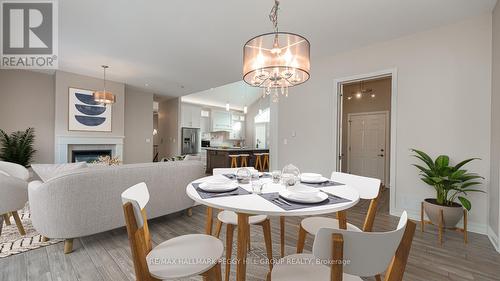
190 141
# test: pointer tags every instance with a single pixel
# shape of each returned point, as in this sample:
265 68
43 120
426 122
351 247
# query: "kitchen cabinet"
190 115
221 121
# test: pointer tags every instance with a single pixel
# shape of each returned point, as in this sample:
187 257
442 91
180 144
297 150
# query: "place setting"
219 186
301 190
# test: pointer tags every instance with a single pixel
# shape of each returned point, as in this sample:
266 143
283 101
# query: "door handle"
381 155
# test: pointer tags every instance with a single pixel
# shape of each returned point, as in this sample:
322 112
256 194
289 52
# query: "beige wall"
27 100
443 106
66 80
138 143
381 102
495 130
168 128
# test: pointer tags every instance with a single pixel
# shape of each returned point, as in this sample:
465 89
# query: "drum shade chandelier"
104 97
276 61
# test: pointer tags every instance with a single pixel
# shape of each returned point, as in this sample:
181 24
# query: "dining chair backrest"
368 188
364 253
134 201
14 170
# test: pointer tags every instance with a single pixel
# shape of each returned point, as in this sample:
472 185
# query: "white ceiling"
178 47
237 94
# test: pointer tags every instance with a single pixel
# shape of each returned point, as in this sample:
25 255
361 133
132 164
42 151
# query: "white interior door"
367 139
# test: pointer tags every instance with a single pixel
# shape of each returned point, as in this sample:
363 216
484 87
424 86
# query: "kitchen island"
219 157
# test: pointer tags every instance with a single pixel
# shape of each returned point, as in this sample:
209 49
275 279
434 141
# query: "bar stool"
258 161
234 161
244 160
265 162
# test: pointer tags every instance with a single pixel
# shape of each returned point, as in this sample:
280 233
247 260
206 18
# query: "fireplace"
89 156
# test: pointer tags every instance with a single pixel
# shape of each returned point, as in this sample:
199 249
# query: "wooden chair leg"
266 228
249 245
190 212
378 278
6 218
18 223
441 226
218 228
342 217
68 246
422 222
465 227
1 224
282 236
229 249
337 272
397 267
301 240
214 273
209 221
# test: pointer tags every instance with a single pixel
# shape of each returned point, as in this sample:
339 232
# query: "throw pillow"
48 171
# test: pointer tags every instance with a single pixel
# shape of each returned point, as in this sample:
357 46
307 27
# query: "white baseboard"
415 215
493 239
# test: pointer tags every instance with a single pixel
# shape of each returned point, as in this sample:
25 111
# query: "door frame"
387 136
337 117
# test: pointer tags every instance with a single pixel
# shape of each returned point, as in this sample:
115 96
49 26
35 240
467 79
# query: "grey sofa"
87 201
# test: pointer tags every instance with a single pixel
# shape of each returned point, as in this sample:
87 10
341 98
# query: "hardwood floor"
106 256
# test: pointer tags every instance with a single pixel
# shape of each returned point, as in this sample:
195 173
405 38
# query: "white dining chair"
230 218
180 257
345 255
368 188
13 193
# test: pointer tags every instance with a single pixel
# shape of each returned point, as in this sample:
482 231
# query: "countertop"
235 149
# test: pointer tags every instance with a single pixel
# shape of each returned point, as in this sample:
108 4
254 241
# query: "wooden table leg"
241 266
342 217
282 235
209 222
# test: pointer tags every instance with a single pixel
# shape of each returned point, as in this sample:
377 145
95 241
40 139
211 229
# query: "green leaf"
442 161
424 157
459 165
465 203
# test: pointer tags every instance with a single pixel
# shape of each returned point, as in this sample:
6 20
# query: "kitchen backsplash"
218 139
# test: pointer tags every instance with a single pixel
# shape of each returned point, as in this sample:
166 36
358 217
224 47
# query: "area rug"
11 242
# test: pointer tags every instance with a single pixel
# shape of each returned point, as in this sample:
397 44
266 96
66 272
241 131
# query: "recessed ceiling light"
373 95
358 95
349 98
147 85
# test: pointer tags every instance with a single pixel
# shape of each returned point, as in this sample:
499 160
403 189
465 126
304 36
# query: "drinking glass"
290 175
257 186
276 176
243 175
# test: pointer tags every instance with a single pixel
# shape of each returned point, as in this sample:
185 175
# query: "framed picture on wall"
87 115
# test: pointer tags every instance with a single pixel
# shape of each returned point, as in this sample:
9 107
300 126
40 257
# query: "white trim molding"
493 238
63 144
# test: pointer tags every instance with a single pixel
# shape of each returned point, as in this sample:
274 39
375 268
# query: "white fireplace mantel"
63 144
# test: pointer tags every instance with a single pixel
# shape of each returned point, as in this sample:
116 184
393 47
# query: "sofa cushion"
48 171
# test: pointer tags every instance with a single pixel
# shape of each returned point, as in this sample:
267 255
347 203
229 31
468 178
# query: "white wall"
138 143
494 215
443 106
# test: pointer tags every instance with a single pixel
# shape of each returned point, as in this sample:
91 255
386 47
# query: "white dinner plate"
304 197
212 187
313 180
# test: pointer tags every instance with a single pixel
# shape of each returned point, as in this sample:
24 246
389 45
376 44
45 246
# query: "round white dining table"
253 204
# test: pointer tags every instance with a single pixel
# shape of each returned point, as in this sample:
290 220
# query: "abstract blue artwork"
87 115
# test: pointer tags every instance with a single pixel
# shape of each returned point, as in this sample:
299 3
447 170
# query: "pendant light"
276 61
104 96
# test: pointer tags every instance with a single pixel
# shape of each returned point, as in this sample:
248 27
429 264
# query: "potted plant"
18 146
451 183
